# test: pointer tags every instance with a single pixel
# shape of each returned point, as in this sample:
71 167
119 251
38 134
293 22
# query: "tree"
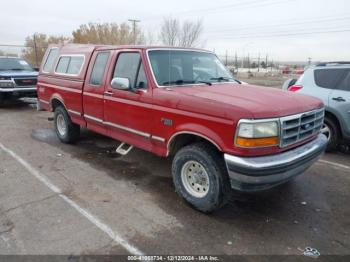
107 34
187 34
170 32
190 34
34 52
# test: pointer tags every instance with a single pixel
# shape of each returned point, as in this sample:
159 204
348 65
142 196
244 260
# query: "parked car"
183 103
329 82
17 78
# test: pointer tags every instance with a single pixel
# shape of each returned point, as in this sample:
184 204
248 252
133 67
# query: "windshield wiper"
205 82
17 69
221 78
183 82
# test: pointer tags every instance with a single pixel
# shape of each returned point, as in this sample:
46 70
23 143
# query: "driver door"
128 112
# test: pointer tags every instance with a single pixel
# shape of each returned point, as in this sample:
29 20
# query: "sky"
284 30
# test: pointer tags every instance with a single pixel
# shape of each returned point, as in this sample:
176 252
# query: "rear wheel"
200 177
66 130
331 131
1 99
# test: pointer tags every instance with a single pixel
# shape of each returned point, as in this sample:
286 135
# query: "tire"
331 130
66 130
214 190
1 99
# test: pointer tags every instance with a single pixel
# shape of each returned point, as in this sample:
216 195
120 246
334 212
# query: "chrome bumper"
18 89
259 173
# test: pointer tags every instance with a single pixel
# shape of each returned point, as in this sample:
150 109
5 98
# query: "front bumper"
29 89
251 174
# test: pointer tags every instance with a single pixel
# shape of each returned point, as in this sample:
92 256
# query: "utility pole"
236 60
248 62
134 21
259 62
35 51
309 60
266 62
271 64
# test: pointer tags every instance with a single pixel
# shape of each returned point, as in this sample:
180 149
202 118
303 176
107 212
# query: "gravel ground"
85 199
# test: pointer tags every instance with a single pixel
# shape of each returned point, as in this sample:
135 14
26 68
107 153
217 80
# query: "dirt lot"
272 79
85 199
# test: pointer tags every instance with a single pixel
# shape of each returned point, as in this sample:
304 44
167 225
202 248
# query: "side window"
75 65
62 65
70 65
99 69
328 78
128 66
345 83
141 81
50 60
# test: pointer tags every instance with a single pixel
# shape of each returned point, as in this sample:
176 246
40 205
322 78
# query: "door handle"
338 99
108 93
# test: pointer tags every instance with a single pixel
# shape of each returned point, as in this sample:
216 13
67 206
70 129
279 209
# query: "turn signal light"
257 142
295 88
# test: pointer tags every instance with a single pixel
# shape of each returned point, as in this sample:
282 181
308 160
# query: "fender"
59 98
197 130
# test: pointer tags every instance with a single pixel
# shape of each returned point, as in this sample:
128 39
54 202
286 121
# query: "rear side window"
70 65
51 58
62 65
345 83
328 78
99 68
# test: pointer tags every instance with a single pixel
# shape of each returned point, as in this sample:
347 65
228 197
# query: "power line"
279 25
240 5
287 34
289 31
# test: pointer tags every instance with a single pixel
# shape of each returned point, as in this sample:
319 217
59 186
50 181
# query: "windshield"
7 64
177 67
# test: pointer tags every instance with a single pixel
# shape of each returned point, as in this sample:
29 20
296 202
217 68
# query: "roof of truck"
72 48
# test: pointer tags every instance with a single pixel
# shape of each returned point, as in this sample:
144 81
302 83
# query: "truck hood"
16 73
259 102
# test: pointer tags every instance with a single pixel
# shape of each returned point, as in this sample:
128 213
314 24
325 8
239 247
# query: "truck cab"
184 104
17 78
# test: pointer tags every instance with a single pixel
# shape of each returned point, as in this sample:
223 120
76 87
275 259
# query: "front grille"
24 82
300 127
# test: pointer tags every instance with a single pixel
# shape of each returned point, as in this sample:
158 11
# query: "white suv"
329 82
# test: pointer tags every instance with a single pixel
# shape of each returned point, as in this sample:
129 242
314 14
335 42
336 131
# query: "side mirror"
121 83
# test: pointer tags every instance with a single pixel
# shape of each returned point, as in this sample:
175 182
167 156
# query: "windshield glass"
177 67
14 64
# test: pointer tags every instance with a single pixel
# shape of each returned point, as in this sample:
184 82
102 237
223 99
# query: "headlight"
5 84
257 134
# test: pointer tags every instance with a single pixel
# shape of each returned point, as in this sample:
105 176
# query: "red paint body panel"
137 118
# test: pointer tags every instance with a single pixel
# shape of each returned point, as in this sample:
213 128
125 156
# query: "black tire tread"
214 159
73 132
335 138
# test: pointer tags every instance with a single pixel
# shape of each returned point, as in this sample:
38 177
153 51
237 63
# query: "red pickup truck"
184 104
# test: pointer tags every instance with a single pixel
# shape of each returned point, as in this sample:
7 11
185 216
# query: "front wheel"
330 130
66 130
200 177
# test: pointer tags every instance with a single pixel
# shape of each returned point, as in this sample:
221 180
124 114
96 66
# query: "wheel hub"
195 179
326 131
61 125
